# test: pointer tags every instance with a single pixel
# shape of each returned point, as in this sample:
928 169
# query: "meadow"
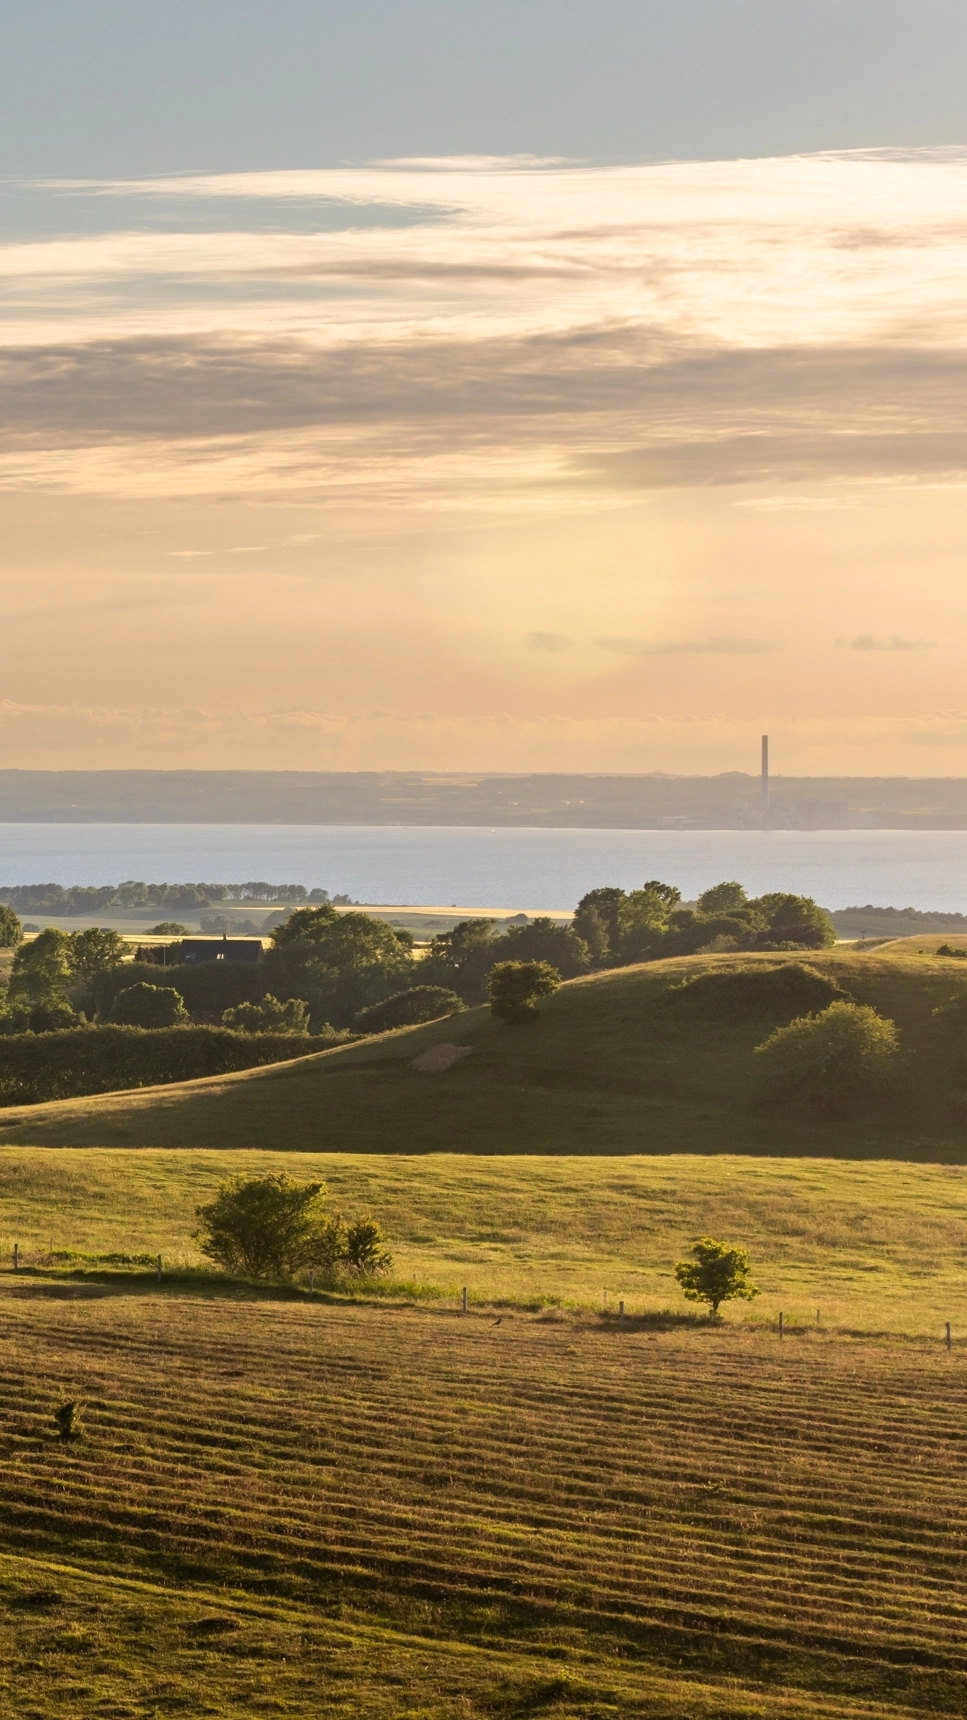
874 1247
609 1067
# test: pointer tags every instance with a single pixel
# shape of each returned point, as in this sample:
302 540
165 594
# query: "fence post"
621 1316
818 1320
464 1300
159 1268
16 1257
312 1282
780 1325
949 1339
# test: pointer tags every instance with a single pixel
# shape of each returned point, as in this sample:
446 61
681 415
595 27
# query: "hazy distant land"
647 802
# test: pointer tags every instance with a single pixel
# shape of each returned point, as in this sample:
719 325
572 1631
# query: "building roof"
222 949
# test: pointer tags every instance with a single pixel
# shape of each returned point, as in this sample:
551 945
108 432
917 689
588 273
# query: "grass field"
876 1247
391 1510
606 1069
307 1510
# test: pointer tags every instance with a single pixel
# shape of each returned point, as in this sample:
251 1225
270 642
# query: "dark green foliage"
365 1253
48 1016
515 989
67 1420
779 992
208 988
543 940
461 959
596 922
408 1009
340 963
722 898
269 1016
793 921
93 951
274 1227
56 963
42 967
836 1062
716 1273
144 1005
11 931
951 950
643 922
649 924
79 1060
169 929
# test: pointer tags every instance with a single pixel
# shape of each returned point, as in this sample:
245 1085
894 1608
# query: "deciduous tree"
716 1273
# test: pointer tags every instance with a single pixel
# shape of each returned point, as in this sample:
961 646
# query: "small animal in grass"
499 1320
68 1420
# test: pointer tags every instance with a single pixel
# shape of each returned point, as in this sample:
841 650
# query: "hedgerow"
79 1060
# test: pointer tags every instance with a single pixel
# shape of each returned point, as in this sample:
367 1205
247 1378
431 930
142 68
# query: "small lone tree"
274 1227
516 987
148 1006
833 1061
717 1273
365 1251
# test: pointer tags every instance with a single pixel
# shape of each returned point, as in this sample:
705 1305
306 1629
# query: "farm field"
611 1066
321 1510
875 1247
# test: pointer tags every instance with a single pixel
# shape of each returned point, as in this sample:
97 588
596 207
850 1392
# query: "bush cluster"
275 1227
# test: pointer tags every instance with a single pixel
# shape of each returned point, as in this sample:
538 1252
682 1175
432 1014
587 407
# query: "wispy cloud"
895 642
628 647
539 641
653 326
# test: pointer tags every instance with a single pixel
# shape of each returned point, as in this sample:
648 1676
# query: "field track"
311 1510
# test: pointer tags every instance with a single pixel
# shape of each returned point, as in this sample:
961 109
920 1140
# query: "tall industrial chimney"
765 773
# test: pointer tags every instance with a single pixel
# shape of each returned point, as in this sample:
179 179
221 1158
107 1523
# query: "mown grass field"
606 1069
309 1510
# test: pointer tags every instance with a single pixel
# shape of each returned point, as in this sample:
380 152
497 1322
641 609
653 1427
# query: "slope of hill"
614 1065
326 1512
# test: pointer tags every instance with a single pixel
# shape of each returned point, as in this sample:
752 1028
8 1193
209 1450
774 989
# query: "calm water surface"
499 868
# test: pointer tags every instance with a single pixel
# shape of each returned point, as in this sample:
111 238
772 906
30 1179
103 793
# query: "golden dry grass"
311 1511
873 1246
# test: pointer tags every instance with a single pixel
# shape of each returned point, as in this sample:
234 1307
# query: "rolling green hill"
617 1063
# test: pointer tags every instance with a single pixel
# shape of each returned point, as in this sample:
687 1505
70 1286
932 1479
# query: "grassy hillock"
623 1062
319 1511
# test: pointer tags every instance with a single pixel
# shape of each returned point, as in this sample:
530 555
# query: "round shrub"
515 988
269 1016
835 1061
148 1006
408 1009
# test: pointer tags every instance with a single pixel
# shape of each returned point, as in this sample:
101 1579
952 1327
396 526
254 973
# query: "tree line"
327 970
134 893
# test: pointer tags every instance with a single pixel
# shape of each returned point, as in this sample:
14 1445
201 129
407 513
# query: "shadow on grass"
90 1282
663 1320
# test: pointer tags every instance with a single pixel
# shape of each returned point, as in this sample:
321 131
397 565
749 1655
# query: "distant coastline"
730 801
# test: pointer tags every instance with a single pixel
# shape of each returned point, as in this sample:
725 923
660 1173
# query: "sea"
519 869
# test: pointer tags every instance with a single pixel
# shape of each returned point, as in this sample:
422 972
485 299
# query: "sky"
470 386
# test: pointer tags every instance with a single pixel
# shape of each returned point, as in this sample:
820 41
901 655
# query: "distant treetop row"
91 899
